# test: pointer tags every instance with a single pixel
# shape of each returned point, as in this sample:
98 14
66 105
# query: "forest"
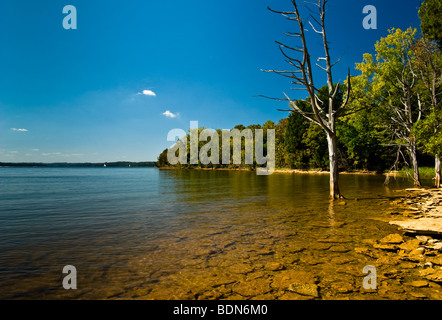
387 117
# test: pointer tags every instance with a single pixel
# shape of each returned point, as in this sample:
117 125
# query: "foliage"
430 13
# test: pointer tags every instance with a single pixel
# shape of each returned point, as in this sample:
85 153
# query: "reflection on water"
149 234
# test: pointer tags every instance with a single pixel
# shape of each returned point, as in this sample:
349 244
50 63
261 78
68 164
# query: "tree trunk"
413 156
437 169
334 174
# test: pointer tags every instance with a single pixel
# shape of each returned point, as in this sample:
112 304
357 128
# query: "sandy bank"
290 171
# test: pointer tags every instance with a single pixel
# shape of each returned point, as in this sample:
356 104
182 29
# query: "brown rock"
340 249
342 287
432 274
392 274
387 247
393 238
410 245
367 252
418 295
424 226
305 289
436 260
241 268
274 266
419 284
295 248
284 278
252 288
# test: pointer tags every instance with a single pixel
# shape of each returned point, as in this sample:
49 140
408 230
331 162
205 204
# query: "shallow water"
149 234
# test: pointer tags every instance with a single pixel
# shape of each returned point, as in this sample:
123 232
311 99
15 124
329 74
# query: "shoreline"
280 170
416 247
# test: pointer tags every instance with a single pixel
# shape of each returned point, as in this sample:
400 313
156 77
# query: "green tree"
429 135
280 150
316 143
430 13
428 131
391 82
240 127
162 159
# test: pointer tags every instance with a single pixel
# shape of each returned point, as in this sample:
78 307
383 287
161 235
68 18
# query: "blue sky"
134 70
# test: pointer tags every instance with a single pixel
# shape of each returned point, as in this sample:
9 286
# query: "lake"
145 233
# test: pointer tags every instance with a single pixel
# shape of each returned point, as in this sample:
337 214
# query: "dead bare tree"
322 114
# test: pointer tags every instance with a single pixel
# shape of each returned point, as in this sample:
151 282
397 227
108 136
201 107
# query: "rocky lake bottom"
325 259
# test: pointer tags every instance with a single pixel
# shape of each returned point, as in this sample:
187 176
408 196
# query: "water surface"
151 234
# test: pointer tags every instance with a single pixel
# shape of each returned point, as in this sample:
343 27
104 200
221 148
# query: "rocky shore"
416 250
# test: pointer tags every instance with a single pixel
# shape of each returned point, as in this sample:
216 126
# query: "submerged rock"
241 268
367 252
410 245
252 288
284 278
343 287
387 247
419 283
274 266
432 274
340 249
393 238
436 260
305 289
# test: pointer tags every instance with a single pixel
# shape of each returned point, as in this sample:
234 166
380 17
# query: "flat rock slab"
431 226
305 289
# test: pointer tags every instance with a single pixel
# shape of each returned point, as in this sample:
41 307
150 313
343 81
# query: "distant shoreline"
119 164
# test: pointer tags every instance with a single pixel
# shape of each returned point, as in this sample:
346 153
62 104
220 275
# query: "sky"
112 89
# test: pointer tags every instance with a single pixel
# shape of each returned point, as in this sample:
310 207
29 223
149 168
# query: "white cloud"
148 93
19 130
169 114
35 150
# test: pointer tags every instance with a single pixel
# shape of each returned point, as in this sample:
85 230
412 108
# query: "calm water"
143 233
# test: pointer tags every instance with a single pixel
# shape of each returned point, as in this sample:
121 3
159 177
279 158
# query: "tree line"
80 164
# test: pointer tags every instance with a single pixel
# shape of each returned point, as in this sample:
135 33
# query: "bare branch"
320 32
291 48
301 64
347 98
333 96
281 12
292 34
285 110
336 62
321 67
300 111
271 98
